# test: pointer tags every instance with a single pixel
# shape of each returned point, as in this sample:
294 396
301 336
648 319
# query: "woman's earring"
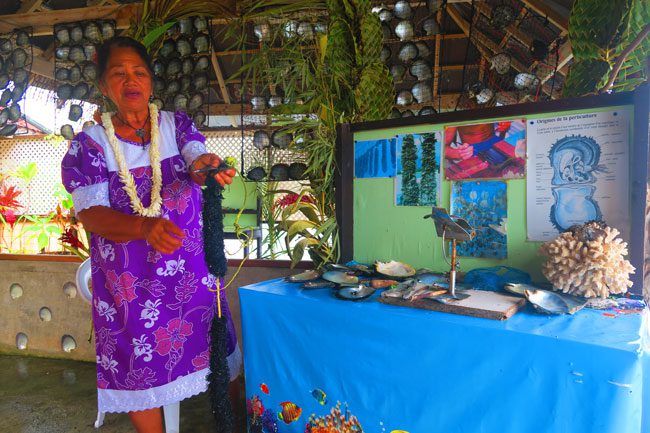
151 99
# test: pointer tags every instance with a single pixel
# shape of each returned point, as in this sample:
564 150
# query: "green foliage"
374 90
339 78
156 33
594 26
26 172
64 197
372 38
586 77
363 7
339 55
635 63
55 139
429 182
42 229
599 32
410 188
318 233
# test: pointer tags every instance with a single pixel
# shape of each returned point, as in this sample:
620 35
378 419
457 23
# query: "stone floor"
56 396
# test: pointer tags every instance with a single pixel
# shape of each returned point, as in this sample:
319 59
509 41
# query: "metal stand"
454 229
452 272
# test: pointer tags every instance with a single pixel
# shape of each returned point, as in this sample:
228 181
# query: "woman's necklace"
140 132
125 175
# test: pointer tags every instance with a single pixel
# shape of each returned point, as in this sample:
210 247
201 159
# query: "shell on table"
309 275
395 269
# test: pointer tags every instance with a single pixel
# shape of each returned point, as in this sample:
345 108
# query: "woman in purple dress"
135 189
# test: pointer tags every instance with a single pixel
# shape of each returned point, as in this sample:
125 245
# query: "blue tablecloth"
427 372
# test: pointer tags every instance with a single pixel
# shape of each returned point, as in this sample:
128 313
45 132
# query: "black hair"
104 52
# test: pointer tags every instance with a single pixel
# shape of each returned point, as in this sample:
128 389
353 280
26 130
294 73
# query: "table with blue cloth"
395 368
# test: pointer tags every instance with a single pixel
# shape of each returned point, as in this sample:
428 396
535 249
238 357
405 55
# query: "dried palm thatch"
159 15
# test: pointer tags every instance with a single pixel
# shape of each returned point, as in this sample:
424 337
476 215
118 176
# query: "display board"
519 174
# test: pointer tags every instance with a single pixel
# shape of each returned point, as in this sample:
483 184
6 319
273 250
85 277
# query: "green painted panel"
383 231
237 195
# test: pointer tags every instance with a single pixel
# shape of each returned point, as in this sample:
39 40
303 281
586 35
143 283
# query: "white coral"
588 267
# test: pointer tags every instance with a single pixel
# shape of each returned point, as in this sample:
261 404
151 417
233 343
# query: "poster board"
373 227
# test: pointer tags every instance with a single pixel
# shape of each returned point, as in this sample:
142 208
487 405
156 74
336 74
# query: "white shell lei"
125 175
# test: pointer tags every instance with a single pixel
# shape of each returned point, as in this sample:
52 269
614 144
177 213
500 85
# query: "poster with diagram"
484 205
578 171
418 169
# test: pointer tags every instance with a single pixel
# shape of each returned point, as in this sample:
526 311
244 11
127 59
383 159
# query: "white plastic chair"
171 412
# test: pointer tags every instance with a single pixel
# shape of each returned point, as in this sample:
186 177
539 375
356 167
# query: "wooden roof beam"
486 46
565 56
232 110
512 29
222 85
544 8
43 22
42 67
436 59
29 6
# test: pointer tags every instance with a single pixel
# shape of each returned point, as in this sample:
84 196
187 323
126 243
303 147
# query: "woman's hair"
104 52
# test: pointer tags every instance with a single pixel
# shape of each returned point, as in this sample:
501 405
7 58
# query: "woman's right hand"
163 235
464 151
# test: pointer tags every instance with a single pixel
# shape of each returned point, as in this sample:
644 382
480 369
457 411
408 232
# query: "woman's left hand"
210 160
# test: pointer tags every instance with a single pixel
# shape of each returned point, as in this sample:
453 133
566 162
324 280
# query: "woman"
135 187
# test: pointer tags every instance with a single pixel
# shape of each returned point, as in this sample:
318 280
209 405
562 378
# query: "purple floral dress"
151 311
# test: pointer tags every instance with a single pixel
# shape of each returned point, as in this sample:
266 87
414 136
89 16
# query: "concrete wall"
51 284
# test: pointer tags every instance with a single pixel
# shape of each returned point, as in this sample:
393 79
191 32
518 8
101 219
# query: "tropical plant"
25 174
158 16
271 215
331 78
72 232
610 45
316 234
41 229
9 205
410 187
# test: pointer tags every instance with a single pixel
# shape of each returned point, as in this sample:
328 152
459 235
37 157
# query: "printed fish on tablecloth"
290 412
264 388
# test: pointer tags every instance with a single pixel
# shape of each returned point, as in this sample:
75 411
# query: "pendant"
140 132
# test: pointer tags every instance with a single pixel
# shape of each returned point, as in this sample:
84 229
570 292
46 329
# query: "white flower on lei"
107 363
172 267
105 310
150 312
141 347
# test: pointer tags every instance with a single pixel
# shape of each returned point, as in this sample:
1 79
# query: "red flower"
173 336
8 199
290 199
10 217
70 237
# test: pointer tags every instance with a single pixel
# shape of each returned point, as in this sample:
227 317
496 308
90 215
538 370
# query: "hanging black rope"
219 377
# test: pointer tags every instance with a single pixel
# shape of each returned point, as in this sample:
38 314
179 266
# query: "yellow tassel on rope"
219 296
